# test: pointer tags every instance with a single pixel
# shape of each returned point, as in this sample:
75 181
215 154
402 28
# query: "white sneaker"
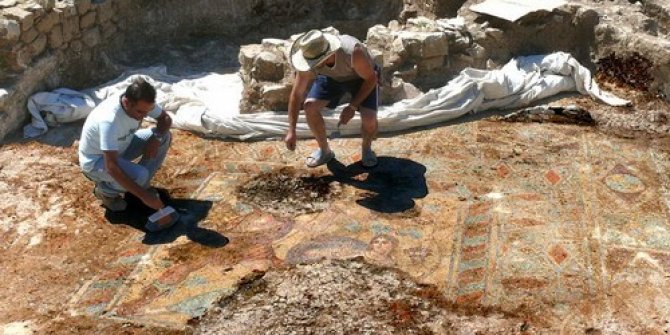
368 158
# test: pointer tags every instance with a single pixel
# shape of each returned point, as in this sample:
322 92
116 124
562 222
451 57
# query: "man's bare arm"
163 123
363 66
112 166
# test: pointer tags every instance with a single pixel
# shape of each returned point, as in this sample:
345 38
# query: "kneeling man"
112 139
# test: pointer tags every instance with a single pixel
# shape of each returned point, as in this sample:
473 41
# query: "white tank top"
342 70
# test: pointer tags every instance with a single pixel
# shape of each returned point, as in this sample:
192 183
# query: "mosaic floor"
556 219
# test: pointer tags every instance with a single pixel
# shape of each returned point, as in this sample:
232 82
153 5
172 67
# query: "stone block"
430 64
71 28
248 54
38 8
275 97
278 45
7 3
396 55
10 30
56 37
408 73
24 17
268 66
68 9
29 35
377 56
123 7
108 29
38 46
20 57
47 22
87 21
425 44
379 37
77 46
83 6
91 37
105 11
48 5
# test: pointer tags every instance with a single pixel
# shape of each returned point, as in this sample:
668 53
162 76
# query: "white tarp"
512 10
209 104
60 106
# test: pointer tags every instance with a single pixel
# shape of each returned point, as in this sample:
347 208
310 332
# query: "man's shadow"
191 212
393 184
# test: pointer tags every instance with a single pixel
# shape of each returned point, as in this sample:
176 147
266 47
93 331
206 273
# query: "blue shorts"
326 88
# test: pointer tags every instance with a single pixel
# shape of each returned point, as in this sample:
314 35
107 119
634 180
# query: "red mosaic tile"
553 177
558 254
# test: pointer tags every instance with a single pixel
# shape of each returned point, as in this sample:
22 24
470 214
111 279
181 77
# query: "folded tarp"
51 108
209 104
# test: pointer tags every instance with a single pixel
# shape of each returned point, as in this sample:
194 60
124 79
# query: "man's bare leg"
316 123
369 126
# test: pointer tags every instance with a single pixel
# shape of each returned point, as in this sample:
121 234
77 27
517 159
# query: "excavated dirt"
352 298
630 71
287 192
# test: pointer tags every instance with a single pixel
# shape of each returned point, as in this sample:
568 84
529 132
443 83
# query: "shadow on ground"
393 184
191 212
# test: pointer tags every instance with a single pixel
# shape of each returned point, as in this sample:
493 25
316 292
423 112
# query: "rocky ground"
55 236
353 297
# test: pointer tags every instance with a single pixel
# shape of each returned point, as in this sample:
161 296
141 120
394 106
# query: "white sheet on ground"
209 104
60 106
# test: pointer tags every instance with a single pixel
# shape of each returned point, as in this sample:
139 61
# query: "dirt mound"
631 71
346 297
287 192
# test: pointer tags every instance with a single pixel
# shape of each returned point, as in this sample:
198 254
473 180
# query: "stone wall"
246 21
416 54
431 9
46 44
424 53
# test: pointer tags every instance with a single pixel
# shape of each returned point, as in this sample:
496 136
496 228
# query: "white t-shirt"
107 128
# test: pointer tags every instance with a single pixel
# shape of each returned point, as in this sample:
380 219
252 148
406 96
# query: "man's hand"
290 140
151 149
347 114
152 200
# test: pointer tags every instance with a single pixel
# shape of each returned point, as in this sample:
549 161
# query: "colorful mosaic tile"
539 217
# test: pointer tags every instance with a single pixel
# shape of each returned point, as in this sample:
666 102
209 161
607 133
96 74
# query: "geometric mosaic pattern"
563 225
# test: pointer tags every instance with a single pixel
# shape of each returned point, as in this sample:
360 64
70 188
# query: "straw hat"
311 48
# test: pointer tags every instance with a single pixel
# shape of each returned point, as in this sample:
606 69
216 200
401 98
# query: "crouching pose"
112 139
332 66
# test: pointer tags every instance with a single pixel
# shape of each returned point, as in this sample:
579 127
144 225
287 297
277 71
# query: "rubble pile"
288 192
419 53
352 298
632 71
552 114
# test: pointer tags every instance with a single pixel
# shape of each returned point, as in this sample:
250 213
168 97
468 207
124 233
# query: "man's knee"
312 107
368 120
141 175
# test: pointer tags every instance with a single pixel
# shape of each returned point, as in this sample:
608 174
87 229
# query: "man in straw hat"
332 66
